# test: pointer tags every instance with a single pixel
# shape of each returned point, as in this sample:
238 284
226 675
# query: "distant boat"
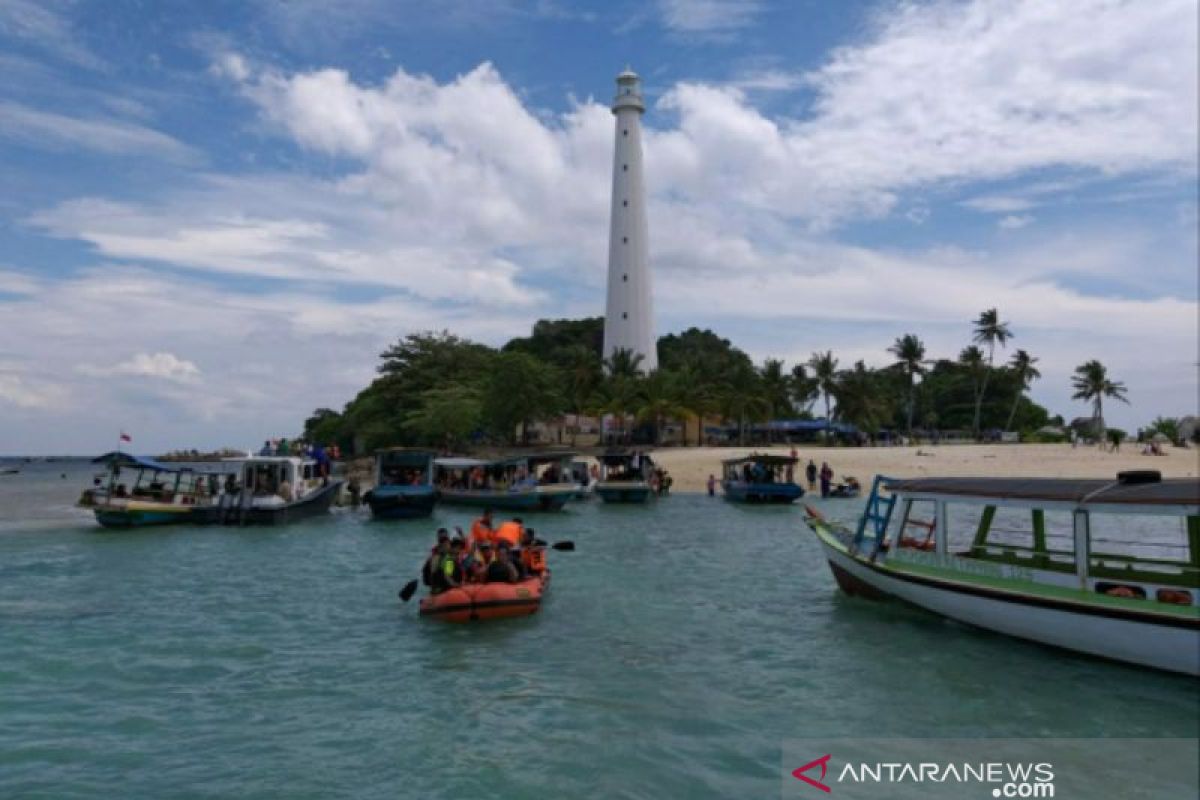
534 482
10 472
403 484
275 490
1071 563
760 478
581 475
625 477
135 492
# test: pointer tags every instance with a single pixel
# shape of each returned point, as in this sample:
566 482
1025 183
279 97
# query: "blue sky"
214 216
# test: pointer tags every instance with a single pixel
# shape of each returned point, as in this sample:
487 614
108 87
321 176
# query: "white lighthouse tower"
629 315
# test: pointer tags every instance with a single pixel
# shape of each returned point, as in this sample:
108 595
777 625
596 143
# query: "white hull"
1147 643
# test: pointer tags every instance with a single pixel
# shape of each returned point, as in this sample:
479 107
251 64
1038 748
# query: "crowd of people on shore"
505 553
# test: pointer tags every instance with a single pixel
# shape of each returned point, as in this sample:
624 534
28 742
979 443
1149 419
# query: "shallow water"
678 646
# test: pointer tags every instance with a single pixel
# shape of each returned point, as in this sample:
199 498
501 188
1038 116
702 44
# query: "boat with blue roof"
760 479
404 487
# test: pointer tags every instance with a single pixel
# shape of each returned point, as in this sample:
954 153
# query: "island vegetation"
438 389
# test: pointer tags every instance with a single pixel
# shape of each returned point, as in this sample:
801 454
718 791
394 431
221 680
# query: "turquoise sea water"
678 647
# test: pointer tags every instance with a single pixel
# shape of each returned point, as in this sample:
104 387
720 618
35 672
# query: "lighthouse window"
624 168
624 315
625 279
625 240
625 132
625 202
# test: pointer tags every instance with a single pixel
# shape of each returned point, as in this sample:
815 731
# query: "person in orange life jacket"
531 556
482 528
510 532
502 570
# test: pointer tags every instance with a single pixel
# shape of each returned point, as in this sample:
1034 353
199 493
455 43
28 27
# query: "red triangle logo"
823 763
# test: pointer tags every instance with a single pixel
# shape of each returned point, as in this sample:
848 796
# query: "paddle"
408 591
566 546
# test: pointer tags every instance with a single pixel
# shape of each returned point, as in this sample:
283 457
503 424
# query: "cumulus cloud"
164 366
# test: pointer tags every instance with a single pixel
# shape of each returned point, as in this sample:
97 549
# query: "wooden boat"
625 477
760 478
275 490
483 601
512 484
135 492
403 484
1094 566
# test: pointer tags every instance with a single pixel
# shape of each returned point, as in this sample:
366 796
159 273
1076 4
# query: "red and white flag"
125 437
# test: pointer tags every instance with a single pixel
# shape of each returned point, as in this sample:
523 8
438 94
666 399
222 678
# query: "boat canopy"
1138 490
764 458
405 456
119 459
550 457
620 457
460 463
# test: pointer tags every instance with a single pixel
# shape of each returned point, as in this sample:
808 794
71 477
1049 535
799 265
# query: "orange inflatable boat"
474 601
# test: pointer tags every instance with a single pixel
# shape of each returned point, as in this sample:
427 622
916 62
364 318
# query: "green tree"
824 367
658 400
623 363
988 330
742 399
583 375
695 398
804 390
1167 426
521 389
910 359
971 359
445 416
777 389
1091 383
324 426
863 399
1023 369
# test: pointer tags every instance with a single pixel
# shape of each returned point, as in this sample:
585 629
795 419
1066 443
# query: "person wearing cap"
502 570
434 563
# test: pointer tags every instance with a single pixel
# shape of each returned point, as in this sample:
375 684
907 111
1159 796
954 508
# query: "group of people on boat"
324 456
505 553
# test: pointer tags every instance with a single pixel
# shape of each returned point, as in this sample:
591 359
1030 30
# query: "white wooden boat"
1107 568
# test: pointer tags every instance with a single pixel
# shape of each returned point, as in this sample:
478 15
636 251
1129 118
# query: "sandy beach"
690 467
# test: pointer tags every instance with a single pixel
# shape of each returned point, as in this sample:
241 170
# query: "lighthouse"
629 314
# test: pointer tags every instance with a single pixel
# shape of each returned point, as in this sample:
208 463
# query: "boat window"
1142 547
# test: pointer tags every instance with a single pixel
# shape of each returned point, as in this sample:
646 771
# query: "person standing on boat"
482 529
811 473
826 478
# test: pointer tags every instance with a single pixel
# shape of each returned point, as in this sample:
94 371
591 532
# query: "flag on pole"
125 437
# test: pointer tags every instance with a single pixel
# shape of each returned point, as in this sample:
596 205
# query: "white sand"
690 467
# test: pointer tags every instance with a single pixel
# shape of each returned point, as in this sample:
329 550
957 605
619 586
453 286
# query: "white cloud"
164 366
1013 222
44 129
708 16
39 22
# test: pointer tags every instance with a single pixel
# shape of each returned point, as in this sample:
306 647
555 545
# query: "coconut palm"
742 399
1022 366
824 367
657 401
694 397
910 358
623 363
1091 383
583 376
776 389
804 388
988 330
972 358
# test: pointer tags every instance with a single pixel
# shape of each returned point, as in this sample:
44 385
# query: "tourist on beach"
826 478
502 570
712 485
811 472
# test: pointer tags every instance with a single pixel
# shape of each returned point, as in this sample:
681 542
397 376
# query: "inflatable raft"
478 601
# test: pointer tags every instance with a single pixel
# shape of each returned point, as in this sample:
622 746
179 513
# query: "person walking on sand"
811 473
826 478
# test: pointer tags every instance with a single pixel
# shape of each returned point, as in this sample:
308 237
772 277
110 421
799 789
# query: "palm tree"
776 388
1091 382
804 389
972 358
657 401
910 357
824 367
694 398
583 375
1022 366
861 400
988 330
623 363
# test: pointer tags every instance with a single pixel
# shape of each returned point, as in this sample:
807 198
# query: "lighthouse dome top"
629 92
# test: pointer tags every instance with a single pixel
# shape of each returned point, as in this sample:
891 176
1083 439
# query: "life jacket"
480 532
509 532
533 559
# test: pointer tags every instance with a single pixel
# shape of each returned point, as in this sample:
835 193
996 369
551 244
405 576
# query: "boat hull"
401 502
540 499
623 492
487 601
313 504
762 493
140 515
1163 641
